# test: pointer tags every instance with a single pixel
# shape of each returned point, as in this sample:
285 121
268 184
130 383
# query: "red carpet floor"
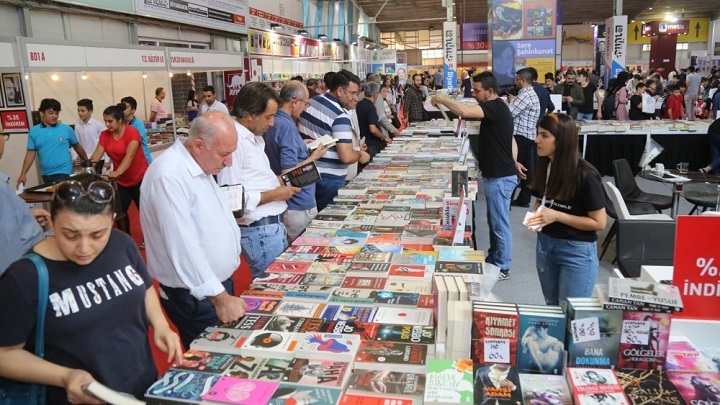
242 280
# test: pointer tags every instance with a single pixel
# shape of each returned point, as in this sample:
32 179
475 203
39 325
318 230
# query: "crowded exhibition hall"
359 202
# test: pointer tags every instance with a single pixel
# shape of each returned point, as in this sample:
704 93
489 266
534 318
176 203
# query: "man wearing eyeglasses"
286 150
328 115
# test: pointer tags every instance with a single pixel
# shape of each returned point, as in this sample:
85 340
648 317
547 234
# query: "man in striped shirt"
328 115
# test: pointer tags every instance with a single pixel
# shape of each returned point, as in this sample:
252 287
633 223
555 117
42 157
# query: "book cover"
336 257
390 355
287 267
387 384
628 291
391 229
276 345
258 368
262 306
406 334
449 382
382 247
649 387
328 268
644 340
427 259
595 386
232 390
411 271
418 286
373 257
247 322
289 256
458 267
326 373
542 343
545 389
368 269
366 331
460 255
348 313
358 296
278 278
372 283
302 176
181 385
356 399
696 387
404 316
332 280
220 341
392 298
711 355
493 322
206 362
684 356
593 337
328 346
316 223
383 238
304 249
294 394
497 384
312 296
300 309
283 323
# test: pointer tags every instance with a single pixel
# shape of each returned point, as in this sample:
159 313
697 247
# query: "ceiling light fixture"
322 37
274 26
83 76
144 75
55 77
302 32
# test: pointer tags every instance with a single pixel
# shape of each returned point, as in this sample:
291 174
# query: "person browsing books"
264 235
191 237
496 152
286 151
100 304
568 211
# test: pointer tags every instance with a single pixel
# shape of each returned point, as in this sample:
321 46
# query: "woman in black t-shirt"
100 304
569 209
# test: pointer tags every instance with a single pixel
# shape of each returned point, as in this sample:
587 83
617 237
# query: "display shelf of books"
378 303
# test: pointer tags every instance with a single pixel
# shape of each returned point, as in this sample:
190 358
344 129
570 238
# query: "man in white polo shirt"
211 103
264 235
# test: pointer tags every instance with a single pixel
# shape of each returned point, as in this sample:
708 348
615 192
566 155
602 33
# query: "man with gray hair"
386 126
286 151
264 235
192 241
368 120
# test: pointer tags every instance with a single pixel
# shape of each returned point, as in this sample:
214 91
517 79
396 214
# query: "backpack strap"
38 391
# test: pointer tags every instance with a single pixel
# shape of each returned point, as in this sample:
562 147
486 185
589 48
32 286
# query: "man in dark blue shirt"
286 150
369 122
546 105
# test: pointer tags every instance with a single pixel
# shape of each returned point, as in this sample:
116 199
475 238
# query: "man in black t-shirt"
635 113
496 154
586 110
369 122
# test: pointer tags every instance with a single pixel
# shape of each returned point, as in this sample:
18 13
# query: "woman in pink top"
621 96
122 144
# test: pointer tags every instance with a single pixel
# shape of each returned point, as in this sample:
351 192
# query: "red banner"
15 121
696 264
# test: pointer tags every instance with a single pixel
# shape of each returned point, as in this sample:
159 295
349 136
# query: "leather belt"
272 219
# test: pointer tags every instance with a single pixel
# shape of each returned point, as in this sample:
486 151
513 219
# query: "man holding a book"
192 240
286 151
264 235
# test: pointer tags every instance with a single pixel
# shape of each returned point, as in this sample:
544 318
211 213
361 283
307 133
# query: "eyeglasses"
352 93
99 191
307 103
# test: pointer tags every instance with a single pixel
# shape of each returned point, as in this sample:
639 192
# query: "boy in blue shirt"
131 119
50 141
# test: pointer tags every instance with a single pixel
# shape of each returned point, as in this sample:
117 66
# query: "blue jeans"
55 178
190 315
566 268
262 244
584 116
327 188
714 139
498 192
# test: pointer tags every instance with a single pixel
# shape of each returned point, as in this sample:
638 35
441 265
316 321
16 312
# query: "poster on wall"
474 37
511 56
539 19
287 13
449 55
506 19
383 61
12 89
234 81
222 15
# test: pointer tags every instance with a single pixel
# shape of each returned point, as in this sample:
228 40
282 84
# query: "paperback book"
697 388
328 346
542 343
366 331
232 390
295 394
205 362
636 292
497 384
449 382
326 373
649 387
258 368
406 334
387 384
390 356
181 386
545 389
283 323
276 345
644 340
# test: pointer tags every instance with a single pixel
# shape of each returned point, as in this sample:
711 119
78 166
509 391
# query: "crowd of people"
194 242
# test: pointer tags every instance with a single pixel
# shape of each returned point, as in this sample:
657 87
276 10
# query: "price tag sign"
496 350
635 332
585 330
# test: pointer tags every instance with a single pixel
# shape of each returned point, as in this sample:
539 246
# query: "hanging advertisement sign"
680 27
615 46
510 56
383 61
474 37
539 19
220 15
449 40
287 13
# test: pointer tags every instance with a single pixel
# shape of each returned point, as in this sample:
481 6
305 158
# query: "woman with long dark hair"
100 299
619 88
569 209
192 105
122 142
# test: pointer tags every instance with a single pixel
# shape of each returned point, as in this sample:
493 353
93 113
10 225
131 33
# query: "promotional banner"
539 19
288 13
510 56
615 46
698 30
383 61
234 81
272 43
127 6
474 37
449 55
221 15
599 47
696 264
13 111
680 27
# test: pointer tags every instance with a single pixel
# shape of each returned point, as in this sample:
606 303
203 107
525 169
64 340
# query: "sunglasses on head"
98 191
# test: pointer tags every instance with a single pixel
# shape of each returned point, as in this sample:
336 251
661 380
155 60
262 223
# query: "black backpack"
608 106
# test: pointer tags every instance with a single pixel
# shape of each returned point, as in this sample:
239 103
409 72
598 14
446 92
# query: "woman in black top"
568 211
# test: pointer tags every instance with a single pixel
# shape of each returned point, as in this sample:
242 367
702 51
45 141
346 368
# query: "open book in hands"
109 395
325 140
235 197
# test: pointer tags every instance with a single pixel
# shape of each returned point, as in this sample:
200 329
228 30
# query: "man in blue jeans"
496 155
264 235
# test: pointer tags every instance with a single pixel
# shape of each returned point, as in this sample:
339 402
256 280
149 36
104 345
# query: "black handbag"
16 393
